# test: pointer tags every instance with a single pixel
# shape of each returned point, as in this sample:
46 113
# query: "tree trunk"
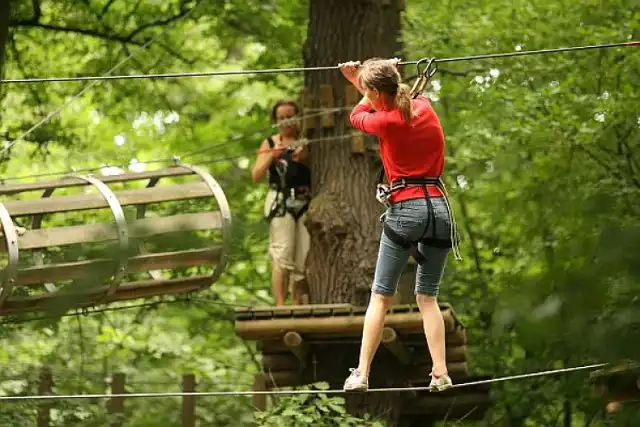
5 13
343 218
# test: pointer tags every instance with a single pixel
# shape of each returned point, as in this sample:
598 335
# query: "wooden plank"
403 308
188 401
139 228
297 346
318 310
342 310
45 387
289 311
260 384
307 105
301 311
126 291
326 102
280 362
357 144
351 98
260 329
116 404
141 263
75 182
618 383
393 343
454 338
139 196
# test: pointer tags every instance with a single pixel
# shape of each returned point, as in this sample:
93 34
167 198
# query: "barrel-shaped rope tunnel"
102 244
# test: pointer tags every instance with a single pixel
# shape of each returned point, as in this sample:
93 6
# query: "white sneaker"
440 383
356 382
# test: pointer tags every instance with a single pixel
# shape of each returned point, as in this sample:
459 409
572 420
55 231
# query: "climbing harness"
384 192
288 199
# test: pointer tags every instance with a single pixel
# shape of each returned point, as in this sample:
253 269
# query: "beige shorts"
288 241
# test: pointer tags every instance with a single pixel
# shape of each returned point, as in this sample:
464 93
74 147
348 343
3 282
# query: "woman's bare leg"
372 330
433 324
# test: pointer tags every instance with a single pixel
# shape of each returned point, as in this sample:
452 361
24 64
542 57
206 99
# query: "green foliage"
317 410
542 165
542 158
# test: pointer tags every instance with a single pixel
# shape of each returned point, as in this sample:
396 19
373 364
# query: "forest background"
543 161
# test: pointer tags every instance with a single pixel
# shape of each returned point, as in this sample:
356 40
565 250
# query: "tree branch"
157 23
84 31
5 12
34 22
105 9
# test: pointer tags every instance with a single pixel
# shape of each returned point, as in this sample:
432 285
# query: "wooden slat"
326 102
260 384
65 183
140 263
60 236
126 291
115 405
188 401
261 329
290 310
95 201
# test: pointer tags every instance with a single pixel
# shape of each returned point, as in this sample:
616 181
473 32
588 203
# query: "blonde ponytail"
403 102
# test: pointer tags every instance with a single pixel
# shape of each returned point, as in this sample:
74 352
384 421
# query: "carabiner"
425 75
383 194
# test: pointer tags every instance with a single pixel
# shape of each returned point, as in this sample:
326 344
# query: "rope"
228 141
292 392
306 69
89 86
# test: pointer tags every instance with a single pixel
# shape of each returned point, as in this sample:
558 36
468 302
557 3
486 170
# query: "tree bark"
5 13
343 218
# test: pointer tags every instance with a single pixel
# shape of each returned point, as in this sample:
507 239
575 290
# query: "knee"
426 301
382 299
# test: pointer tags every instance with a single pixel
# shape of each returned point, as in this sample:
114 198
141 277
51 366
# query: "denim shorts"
409 218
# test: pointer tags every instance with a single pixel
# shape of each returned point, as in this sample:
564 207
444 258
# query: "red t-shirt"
415 149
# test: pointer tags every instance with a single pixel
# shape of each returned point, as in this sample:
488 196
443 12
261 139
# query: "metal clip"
382 194
425 76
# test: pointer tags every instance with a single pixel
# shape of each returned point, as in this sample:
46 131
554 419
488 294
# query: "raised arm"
361 118
263 162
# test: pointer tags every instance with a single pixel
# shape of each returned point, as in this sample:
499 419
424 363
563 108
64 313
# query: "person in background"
287 201
418 220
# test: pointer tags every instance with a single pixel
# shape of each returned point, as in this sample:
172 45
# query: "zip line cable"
276 70
95 82
295 392
323 68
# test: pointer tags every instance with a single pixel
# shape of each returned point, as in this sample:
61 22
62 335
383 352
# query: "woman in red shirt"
418 214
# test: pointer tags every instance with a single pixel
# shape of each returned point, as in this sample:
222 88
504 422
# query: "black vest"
297 175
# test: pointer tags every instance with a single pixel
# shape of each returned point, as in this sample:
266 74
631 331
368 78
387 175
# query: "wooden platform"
301 345
620 383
